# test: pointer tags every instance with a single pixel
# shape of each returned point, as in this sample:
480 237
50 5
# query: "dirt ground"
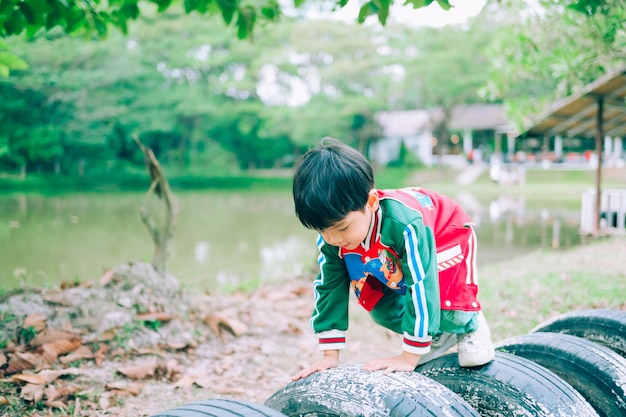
148 346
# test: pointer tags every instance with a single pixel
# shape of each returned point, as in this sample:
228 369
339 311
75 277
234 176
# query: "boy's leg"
440 346
475 348
389 310
388 313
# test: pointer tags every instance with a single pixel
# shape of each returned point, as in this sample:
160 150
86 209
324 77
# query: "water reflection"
224 240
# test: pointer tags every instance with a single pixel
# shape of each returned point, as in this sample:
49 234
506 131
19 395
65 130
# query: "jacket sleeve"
331 289
421 319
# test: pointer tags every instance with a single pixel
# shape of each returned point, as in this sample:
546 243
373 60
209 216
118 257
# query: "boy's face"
349 232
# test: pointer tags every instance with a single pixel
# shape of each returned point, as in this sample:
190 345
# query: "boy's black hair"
329 182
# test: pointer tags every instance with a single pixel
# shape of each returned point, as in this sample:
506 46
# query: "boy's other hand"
331 360
406 362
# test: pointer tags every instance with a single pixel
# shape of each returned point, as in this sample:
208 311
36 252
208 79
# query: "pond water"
223 240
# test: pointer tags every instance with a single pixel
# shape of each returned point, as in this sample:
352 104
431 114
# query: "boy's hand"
406 362
331 360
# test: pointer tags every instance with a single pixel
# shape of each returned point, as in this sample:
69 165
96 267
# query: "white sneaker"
476 348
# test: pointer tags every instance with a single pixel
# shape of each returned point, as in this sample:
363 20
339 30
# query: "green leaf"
299 3
14 24
28 12
444 4
383 11
163 5
228 8
4 71
131 10
53 18
366 11
245 22
418 4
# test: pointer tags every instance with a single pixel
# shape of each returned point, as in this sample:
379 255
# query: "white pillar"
618 148
468 144
510 139
558 147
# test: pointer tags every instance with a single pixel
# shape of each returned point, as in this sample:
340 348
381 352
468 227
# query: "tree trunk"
159 186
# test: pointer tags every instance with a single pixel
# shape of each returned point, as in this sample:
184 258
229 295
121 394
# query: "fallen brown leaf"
54 336
46 375
20 361
132 388
48 356
32 392
187 380
219 321
4 401
107 277
138 371
100 354
36 321
58 299
83 352
55 404
155 316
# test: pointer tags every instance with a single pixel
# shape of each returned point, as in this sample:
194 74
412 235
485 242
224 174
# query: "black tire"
351 391
595 371
509 386
220 408
603 326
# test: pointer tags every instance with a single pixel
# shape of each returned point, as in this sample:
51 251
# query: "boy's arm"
329 319
330 360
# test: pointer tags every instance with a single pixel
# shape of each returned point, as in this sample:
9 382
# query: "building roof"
480 117
473 117
403 123
575 116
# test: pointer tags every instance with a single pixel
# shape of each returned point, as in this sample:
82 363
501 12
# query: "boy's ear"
372 200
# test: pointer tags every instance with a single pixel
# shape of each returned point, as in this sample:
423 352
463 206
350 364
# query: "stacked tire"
573 365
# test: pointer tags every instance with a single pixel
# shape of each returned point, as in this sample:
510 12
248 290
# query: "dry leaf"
35 379
54 336
217 322
132 388
58 299
83 352
20 361
187 380
155 316
173 369
225 390
35 321
45 376
55 404
100 354
4 400
48 356
3 359
31 392
138 371
107 277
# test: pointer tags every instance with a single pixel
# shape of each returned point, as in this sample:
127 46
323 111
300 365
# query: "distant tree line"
210 104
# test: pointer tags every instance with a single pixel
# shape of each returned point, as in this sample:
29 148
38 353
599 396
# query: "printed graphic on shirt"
385 268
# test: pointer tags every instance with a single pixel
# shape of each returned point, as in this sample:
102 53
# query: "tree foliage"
552 50
209 104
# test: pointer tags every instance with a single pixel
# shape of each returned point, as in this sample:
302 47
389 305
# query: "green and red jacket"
414 237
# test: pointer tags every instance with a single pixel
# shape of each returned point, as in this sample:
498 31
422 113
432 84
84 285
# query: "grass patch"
517 295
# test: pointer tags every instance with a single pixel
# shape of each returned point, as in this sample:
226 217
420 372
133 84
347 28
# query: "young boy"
408 254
